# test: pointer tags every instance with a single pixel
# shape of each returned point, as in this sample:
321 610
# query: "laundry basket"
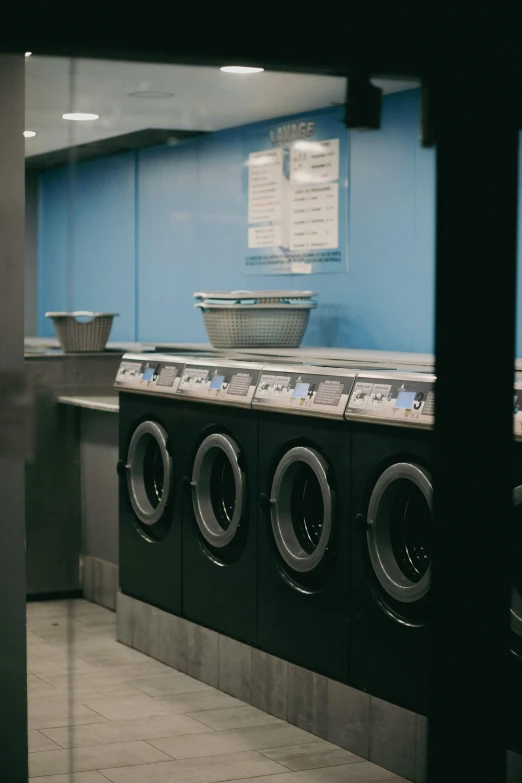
255 319
82 336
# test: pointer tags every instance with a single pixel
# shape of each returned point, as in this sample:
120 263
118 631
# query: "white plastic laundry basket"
255 319
82 336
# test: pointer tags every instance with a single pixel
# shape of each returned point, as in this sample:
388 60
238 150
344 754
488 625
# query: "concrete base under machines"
390 736
99 581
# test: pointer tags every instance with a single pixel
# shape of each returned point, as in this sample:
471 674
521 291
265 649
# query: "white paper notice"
264 236
265 174
314 219
314 161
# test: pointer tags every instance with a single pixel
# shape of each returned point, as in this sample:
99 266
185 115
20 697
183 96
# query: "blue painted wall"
86 242
150 229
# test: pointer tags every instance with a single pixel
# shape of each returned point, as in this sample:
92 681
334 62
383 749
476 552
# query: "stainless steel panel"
306 390
224 382
395 398
156 373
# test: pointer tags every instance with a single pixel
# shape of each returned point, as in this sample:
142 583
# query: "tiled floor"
100 711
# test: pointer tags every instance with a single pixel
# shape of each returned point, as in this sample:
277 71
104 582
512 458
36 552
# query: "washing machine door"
301 509
149 472
219 489
399 532
516 590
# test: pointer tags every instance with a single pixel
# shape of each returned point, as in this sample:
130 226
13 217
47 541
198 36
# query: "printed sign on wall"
297 194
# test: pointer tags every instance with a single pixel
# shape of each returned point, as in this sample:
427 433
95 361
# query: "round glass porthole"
219 485
301 510
149 475
399 532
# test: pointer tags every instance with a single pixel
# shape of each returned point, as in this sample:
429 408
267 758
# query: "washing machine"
304 542
392 417
220 483
149 467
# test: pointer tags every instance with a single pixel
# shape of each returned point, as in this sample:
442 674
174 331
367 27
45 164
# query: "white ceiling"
204 98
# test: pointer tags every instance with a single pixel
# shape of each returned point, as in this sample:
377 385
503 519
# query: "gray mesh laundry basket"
255 319
78 336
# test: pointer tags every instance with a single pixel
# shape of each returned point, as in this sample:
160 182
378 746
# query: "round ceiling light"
150 94
79 116
28 54
240 69
29 134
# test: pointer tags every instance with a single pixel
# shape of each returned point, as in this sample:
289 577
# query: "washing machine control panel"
232 383
313 391
404 399
154 373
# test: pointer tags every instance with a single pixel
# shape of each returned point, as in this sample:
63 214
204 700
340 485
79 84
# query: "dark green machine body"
220 539
304 615
150 552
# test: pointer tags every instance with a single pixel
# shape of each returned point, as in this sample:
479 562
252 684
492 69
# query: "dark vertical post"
13 706
477 151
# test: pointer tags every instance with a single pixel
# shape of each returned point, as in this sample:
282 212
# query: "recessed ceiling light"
150 94
79 116
240 69
28 54
29 134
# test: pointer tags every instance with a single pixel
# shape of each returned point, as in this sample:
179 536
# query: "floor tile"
63 622
61 633
202 700
361 772
173 683
78 607
120 715
134 706
74 777
83 693
37 685
58 665
141 705
32 639
107 619
311 755
234 741
54 762
49 715
40 649
234 717
129 730
210 769
38 741
97 676
103 654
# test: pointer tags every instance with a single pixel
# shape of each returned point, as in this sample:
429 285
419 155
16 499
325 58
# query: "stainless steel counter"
95 402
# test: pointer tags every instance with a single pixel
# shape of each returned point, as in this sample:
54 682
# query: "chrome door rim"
386 568
206 519
515 610
146 513
285 536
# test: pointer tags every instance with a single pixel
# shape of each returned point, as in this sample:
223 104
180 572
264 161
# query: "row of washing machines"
289 507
